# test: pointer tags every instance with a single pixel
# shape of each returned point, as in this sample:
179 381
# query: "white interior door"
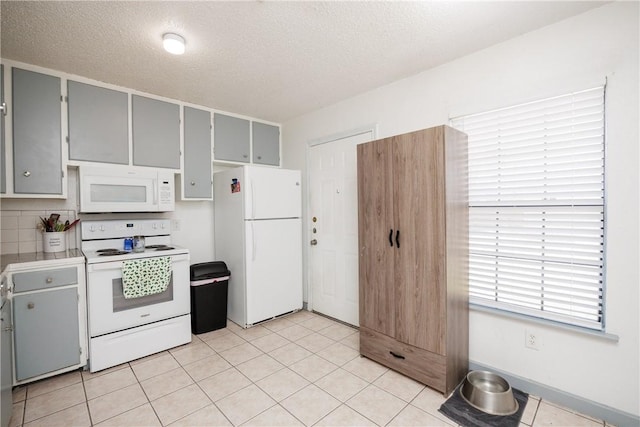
333 227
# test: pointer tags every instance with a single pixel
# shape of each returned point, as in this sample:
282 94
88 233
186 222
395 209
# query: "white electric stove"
121 329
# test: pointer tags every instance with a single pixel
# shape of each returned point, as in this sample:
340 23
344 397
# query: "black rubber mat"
457 409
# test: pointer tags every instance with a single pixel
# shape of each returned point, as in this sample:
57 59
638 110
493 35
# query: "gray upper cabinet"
3 164
266 144
37 148
98 124
231 138
197 173
156 133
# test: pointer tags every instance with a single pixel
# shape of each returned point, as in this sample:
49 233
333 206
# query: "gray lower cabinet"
46 332
197 174
98 124
6 381
156 132
37 148
3 164
266 144
231 138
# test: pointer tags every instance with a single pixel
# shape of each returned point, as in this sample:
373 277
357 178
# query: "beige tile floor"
303 369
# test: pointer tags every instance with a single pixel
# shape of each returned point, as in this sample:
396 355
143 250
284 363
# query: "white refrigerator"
258 234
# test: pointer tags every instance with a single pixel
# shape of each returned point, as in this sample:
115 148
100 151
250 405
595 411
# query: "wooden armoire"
413 254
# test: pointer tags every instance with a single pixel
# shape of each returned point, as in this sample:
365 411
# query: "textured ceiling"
270 60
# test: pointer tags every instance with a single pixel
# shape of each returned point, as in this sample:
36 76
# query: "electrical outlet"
531 339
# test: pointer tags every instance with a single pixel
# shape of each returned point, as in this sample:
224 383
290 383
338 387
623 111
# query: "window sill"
590 332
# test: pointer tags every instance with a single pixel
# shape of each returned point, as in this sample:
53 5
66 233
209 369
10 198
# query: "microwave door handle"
155 192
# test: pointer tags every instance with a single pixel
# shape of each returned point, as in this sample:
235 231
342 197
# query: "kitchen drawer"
44 279
422 365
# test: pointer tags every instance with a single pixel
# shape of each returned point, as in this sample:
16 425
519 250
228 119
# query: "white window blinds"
536 206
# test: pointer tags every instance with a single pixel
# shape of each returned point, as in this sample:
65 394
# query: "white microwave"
125 189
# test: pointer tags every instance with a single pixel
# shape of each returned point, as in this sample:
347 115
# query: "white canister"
54 241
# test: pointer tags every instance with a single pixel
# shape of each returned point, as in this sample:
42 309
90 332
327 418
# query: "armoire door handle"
397 239
391 237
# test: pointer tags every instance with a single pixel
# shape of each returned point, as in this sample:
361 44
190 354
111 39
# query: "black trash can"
209 289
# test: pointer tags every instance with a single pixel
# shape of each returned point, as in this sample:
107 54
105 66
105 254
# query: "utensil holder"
54 241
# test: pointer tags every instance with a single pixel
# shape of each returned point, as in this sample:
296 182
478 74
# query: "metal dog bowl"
489 393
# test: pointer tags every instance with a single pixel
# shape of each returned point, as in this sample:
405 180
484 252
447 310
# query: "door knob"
314 242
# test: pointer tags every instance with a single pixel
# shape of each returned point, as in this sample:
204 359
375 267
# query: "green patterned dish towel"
147 276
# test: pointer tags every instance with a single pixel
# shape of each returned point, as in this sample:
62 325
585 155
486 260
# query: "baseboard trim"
568 400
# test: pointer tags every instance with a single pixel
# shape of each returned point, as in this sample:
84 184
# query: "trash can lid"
208 270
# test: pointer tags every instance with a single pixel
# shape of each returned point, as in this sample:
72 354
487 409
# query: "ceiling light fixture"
173 43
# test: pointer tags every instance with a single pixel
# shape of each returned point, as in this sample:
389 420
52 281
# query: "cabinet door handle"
397 356
49 280
397 239
391 237
31 306
193 183
27 174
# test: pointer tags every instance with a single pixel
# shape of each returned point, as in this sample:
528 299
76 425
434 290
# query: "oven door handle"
118 265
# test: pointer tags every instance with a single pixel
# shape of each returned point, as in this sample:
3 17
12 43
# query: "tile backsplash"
20 232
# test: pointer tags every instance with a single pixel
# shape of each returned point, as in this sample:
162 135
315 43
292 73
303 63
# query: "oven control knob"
162 225
92 228
154 226
102 228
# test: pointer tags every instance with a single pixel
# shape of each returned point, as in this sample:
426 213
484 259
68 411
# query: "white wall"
575 54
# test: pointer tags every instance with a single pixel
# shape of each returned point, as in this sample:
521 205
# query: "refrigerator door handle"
253 243
253 200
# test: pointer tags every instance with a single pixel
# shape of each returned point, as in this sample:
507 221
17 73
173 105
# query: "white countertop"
40 259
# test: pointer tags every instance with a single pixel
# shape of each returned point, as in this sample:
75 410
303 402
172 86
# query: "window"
536 208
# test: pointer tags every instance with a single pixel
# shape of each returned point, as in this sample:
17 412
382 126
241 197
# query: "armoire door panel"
375 220
420 259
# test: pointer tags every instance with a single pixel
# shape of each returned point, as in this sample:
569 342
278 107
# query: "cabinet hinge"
67 138
62 174
80 350
66 99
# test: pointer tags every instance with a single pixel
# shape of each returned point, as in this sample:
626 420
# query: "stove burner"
112 253
156 246
165 248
